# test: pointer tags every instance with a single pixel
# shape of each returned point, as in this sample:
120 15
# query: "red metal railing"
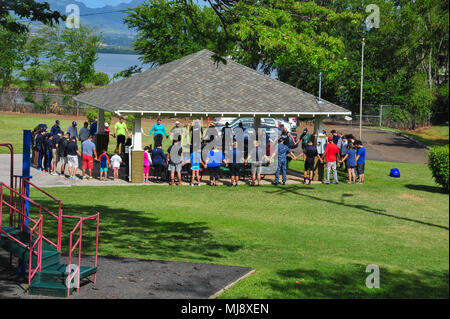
32 230
72 248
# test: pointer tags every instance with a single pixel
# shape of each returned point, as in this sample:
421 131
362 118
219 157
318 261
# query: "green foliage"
26 9
419 99
100 79
438 162
129 120
127 72
12 45
170 29
73 53
92 114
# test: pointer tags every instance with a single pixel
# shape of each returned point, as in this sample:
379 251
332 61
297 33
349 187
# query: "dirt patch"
409 196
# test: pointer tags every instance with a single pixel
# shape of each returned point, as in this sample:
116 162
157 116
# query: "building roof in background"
196 85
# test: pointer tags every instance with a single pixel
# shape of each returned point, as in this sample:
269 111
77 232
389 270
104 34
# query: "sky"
102 3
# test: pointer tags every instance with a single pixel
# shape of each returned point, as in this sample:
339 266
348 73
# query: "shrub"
92 114
438 162
100 79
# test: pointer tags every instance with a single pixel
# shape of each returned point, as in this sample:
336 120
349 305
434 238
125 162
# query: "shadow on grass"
382 212
427 188
128 232
10 281
350 282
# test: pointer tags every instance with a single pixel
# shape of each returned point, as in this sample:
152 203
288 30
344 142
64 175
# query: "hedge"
438 162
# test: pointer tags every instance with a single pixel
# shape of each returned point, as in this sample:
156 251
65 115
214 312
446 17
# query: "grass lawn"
12 126
304 241
431 136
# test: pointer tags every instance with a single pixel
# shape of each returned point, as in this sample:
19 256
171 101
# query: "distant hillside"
106 19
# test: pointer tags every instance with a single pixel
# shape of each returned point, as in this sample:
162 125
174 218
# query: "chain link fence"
19 101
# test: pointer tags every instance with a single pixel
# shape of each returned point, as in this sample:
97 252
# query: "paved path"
127 278
381 145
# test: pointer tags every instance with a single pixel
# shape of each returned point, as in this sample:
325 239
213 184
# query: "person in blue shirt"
350 162
56 129
213 162
360 161
158 160
283 152
93 128
158 131
196 159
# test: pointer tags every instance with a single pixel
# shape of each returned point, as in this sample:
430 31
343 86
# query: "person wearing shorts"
350 162
255 157
120 129
196 160
104 164
235 158
213 162
55 154
62 151
309 154
175 161
72 158
88 149
116 160
360 161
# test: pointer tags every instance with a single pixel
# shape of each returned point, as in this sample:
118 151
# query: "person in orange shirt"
105 163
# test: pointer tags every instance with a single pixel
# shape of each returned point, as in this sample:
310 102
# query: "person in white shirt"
116 160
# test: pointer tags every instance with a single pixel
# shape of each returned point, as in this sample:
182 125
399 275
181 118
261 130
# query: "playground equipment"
28 234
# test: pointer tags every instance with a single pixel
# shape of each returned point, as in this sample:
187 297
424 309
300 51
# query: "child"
147 163
350 163
196 160
116 160
104 164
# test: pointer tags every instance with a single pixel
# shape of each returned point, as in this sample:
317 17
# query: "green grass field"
304 241
12 126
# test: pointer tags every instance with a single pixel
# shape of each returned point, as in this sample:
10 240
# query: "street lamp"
361 93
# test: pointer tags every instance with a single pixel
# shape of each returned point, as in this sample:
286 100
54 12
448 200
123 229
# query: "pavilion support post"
137 154
318 142
101 139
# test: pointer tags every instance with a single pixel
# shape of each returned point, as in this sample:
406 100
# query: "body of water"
113 63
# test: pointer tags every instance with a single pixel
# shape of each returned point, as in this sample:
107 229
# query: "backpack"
395 173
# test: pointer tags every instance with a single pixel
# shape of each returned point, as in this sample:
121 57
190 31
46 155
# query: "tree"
26 9
12 44
34 70
170 29
127 72
73 53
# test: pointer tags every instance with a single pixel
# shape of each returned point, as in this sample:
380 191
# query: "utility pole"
361 93
320 87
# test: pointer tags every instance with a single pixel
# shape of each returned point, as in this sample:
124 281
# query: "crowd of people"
54 148
332 152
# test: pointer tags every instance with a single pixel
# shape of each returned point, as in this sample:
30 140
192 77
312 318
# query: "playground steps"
51 280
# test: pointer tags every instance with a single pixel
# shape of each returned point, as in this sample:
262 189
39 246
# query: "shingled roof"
196 85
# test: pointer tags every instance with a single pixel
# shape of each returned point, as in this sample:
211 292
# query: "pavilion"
197 86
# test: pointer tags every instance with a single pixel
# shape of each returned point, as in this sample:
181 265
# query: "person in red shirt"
331 157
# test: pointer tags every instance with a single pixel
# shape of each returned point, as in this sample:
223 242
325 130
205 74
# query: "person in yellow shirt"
121 132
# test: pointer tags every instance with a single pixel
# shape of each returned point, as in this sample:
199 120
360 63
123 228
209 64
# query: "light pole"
361 93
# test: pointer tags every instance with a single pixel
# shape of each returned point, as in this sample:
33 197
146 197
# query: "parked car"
294 122
222 120
284 123
270 122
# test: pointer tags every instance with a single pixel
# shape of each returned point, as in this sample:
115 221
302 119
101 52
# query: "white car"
220 121
284 123
294 122
269 122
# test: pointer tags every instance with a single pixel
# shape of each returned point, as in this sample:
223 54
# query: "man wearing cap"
176 132
283 152
72 130
56 129
72 158
331 156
